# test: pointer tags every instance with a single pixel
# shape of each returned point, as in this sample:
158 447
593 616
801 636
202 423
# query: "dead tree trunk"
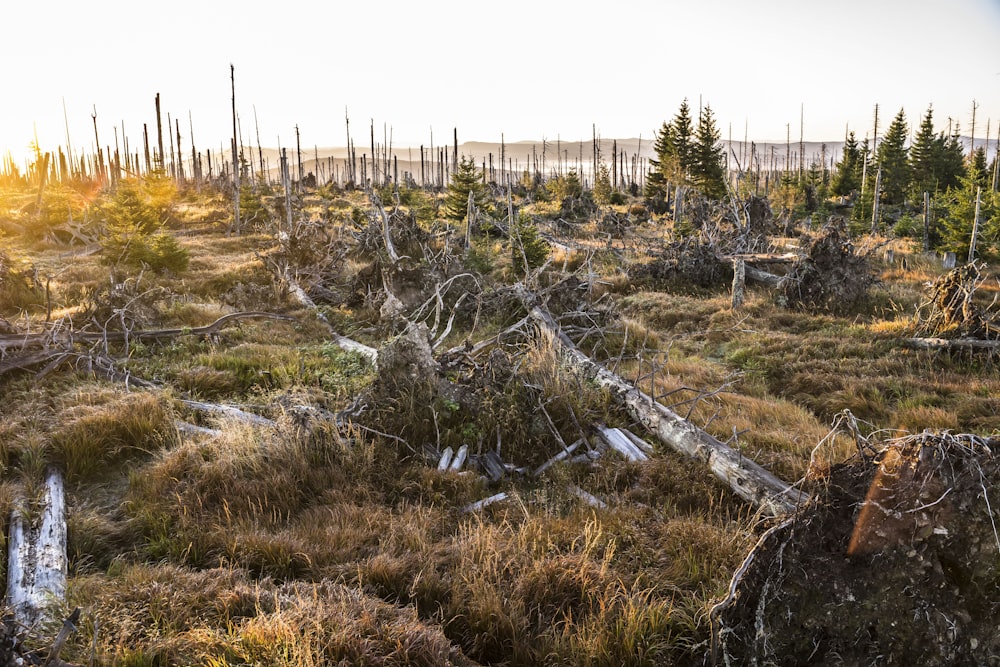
749 480
36 555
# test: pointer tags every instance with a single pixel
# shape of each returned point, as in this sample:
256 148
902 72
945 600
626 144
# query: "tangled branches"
951 311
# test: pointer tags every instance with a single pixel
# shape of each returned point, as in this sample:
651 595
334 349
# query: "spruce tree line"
687 156
899 172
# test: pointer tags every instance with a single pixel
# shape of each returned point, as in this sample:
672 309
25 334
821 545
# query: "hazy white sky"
525 68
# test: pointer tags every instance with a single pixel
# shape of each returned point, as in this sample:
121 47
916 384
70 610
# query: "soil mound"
897 562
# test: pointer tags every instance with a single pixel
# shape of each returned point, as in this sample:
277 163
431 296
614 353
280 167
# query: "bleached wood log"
761 276
485 502
739 282
229 411
445 459
588 498
342 342
746 478
557 458
619 442
36 555
639 442
459 460
187 428
951 344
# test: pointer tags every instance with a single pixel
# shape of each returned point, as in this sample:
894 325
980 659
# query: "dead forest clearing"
352 426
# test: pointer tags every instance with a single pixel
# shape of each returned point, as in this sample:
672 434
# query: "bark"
36 555
746 478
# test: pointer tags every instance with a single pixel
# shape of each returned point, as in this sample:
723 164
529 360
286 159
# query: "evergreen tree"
925 157
675 151
951 163
656 179
708 170
602 186
891 158
848 177
465 179
682 148
960 211
979 168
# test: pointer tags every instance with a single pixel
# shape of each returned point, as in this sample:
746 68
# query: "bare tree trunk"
975 227
158 162
739 281
236 163
747 479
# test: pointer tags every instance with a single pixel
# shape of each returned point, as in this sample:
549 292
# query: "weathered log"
951 344
32 340
746 478
36 555
459 460
557 458
342 342
739 282
588 498
492 466
445 461
621 443
230 412
761 276
485 502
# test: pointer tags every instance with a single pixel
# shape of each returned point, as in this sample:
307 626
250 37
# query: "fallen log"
342 342
48 339
761 276
746 478
951 344
621 443
36 555
485 502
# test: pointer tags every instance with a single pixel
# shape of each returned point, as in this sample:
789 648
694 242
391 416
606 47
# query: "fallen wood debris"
485 502
445 461
588 498
459 460
562 455
36 554
621 443
748 479
951 344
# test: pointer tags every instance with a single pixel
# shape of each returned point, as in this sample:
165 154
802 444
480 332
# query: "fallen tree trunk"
747 479
36 555
46 339
342 342
951 344
761 276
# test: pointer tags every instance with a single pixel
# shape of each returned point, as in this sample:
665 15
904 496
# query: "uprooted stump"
897 562
689 262
831 277
951 310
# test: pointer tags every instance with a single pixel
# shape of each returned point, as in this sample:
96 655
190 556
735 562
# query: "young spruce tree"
466 178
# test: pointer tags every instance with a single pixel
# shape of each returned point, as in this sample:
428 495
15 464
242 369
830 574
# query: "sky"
521 69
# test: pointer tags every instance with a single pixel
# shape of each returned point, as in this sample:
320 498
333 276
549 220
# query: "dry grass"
310 544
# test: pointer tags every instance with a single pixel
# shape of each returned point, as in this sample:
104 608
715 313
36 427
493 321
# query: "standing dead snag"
749 480
36 554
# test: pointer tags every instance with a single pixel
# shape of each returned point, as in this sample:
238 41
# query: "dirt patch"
895 563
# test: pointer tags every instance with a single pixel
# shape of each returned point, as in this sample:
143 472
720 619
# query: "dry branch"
749 480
